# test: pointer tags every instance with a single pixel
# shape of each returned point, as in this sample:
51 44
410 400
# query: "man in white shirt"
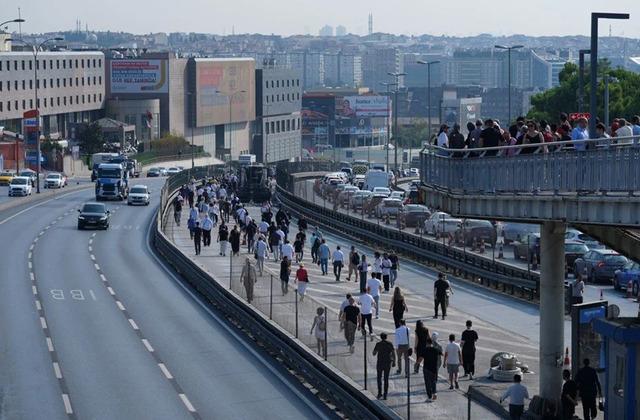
262 252
338 262
263 227
367 304
287 250
625 130
374 286
402 346
207 225
376 269
577 291
452 360
516 393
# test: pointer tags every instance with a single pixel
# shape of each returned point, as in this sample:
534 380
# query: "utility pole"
387 84
395 116
513 47
581 79
428 64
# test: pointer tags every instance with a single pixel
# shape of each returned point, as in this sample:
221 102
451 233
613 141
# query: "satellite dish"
613 311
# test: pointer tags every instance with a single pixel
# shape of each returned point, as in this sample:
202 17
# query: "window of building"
82 63
298 95
51 82
82 80
51 64
94 62
277 83
38 103
278 126
266 98
8 105
57 64
37 65
8 86
77 81
24 84
273 125
44 102
100 97
24 104
44 64
287 82
15 67
71 100
266 128
70 63
64 101
100 62
266 84
272 84
64 82
272 98
94 80
30 103
77 63
58 101
100 80
288 97
0 70
15 103
0 106
37 83
94 97
22 65
58 82
15 86
82 98
45 83
297 82
77 99
88 81
288 125
51 102
1 86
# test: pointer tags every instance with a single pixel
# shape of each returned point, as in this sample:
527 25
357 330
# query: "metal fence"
556 168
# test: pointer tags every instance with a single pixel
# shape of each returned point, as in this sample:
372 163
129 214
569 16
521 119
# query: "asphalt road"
93 326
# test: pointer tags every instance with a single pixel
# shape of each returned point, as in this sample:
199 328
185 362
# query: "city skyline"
301 17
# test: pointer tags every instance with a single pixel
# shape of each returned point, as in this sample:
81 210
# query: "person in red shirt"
302 278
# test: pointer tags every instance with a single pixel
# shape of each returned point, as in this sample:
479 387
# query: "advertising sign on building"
30 127
363 106
139 76
469 111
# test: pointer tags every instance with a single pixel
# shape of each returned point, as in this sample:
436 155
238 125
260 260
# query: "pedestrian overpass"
596 190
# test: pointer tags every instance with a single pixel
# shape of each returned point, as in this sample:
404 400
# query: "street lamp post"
581 78
593 106
395 117
12 21
513 47
428 64
387 84
35 49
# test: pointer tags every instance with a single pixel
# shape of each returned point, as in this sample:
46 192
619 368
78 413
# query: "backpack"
355 259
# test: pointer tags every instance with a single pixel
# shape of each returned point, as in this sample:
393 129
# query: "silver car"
441 222
389 207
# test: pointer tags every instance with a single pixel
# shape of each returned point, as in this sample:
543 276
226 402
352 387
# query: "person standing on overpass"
302 278
452 360
285 272
589 388
468 343
248 278
262 253
197 236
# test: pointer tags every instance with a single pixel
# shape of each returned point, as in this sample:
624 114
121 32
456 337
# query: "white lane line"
147 345
30 265
93 235
90 248
96 266
90 241
41 233
47 227
34 290
111 292
35 240
56 368
54 222
43 323
38 305
133 324
93 295
187 403
93 257
103 278
50 344
32 276
165 371
120 305
31 247
30 255
67 404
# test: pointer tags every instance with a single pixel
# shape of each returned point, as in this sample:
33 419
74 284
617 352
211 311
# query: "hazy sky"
285 17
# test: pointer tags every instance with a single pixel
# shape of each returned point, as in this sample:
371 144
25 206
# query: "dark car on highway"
154 172
415 215
601 264
527 247
572 251
471 229
93 215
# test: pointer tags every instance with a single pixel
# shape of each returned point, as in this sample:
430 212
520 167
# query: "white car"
163 171
441 222
173 170
55 180
414 172
20 186
139 194
382 190
390 207
399 195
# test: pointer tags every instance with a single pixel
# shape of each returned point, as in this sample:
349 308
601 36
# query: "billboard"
139 76
225 90
469 110
363 106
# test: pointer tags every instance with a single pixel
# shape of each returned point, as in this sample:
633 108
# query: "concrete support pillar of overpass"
551 308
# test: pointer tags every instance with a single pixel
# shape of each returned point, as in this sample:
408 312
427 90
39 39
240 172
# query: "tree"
90 139
413 135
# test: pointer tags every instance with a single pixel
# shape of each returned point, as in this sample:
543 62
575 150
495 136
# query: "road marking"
30 255
93 257
34 290
111 292
31 247
133 324
67 404
165 371
103 278
147 345
43 323
93 295
13 216
35 240
120 305
56 368
187 403
97 267
90 248
41 233
54 222
50 344
38 305
32 276
93 235
90 241
30 265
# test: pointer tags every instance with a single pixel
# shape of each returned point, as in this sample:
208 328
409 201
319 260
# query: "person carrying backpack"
354 260
320 326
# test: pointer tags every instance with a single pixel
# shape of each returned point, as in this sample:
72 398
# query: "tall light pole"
593 106
387 84
11 21
36 49
231 96
428 64
395 117
513 47
581 78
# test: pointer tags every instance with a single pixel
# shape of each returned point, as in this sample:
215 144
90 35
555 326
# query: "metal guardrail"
556 168
329 384
491 273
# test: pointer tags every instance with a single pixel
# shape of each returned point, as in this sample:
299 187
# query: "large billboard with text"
139 76
225 90
363 106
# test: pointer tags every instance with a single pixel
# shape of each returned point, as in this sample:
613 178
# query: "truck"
247 159
375 178
112 182
359 167
97 159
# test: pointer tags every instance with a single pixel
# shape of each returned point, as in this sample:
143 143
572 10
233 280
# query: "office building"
341 30
377 62
326 30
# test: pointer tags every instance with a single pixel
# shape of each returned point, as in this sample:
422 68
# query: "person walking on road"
398 306
287 250
516 393
285 272
354 260
319 326
367 303
207 226
402 346
261 254
385 265
323 255
234 239
569 396
338 262
223 238
298 248
441 289
177 209
302 278
374 286
197 236
395 267
452 360
589 388
468 343
248 278
577 291
315 245
432 356
363 273
420 343
386 360
351 319
343 305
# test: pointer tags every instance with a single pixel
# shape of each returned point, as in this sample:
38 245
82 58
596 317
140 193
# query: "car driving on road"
6 176
139 194
173 170
415 214
55 180
32 175
153 172
471 229
629 273
389 207
20 186
93 215
441 222
601 264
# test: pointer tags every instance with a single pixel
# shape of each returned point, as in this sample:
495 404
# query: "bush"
170 144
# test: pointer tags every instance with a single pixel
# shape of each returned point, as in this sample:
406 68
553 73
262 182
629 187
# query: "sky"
287 17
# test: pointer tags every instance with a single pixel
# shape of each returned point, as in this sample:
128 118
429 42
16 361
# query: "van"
375 178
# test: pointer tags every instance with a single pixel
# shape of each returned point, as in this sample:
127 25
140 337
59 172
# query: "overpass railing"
594 167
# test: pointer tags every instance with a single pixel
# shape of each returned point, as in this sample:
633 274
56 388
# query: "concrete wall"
75 167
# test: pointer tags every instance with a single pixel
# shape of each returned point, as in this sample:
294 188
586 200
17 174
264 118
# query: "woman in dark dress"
285 273
422 333
468 344
532 137
234 238
398 306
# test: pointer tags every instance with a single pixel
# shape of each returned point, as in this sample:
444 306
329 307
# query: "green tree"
90 139
413 135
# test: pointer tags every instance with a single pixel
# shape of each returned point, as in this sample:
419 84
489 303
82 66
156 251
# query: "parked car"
600 264
389 207
415 215
382 190
576 235
358 198
138 194
93 215
414 172
20 186
399 195
471 229
163 171
528 247
173 170
31 174
572 251
55 180
153 172
441 222
6 176
512 232
629 273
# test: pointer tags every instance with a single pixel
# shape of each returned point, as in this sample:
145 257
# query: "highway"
94 326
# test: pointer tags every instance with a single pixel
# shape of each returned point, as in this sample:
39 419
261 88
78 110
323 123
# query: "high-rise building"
341 30
326 30
377 62
351 70
417 73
